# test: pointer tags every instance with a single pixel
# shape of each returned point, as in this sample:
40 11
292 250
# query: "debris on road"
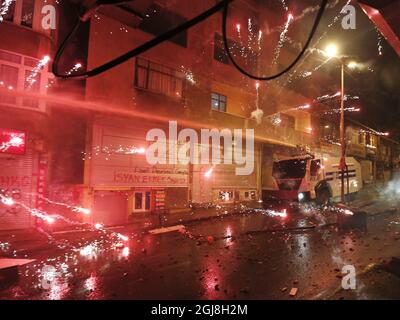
293 292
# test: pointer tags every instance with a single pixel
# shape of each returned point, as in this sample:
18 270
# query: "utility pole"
342 134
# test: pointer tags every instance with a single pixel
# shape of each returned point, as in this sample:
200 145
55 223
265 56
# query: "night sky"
378 90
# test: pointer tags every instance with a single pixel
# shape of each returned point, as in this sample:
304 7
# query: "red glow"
348 212
125 252
12 142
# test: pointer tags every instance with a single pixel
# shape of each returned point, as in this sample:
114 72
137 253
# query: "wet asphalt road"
248 256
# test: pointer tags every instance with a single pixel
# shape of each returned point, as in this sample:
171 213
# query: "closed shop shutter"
18 183
110 207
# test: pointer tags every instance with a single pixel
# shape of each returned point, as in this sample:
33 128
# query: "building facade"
25 49
188 80
87 145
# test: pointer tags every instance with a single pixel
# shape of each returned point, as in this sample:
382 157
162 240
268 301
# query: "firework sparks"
188 75
110 150
378 133
75 68
16 140
208 173
379 42
282 39
284 5
31 79
5 6
85 211
338 110
290 77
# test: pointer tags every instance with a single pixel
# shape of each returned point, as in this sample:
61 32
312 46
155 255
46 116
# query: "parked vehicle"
312 177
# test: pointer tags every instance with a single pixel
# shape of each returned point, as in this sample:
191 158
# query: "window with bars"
159 79
218 102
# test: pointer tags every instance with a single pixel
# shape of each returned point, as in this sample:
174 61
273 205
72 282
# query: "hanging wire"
288 68
222 5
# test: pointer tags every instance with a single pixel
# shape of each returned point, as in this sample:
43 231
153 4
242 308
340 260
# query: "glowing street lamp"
331 51
352 65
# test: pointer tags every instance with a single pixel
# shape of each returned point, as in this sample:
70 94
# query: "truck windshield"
289 169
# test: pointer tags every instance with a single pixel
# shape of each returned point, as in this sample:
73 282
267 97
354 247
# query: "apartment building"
25 49
188 80
42 141
377 153
96 158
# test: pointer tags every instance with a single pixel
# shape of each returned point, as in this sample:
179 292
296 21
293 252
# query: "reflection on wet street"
257 255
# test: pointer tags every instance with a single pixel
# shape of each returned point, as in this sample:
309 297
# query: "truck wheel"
323 197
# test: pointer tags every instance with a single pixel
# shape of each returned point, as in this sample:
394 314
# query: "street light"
331 51
352 65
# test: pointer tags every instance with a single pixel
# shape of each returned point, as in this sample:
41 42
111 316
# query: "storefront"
122 182
23 172
220 184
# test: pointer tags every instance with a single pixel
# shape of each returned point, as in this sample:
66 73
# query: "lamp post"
331 52
342 134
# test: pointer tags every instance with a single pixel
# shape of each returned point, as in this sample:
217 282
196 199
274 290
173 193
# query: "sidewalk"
154 220
375 200
21 242
370 199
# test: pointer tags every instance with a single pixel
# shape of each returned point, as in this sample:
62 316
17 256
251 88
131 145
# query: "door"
110 208
141 201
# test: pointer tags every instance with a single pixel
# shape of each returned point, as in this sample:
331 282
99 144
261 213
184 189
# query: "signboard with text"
12 141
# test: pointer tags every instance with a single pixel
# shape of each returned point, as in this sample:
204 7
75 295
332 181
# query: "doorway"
141 201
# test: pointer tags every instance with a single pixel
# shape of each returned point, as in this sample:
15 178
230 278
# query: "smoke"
257 115
391 191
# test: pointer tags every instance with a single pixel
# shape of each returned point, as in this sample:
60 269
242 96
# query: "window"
289 169
9 14
16 73
368 139
27 13
158 78
219 50
10 57
218 102
329 131
32 86
315 166
250 195
20 12
287 121
360 138
159 20
225 195
243 55
8 79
